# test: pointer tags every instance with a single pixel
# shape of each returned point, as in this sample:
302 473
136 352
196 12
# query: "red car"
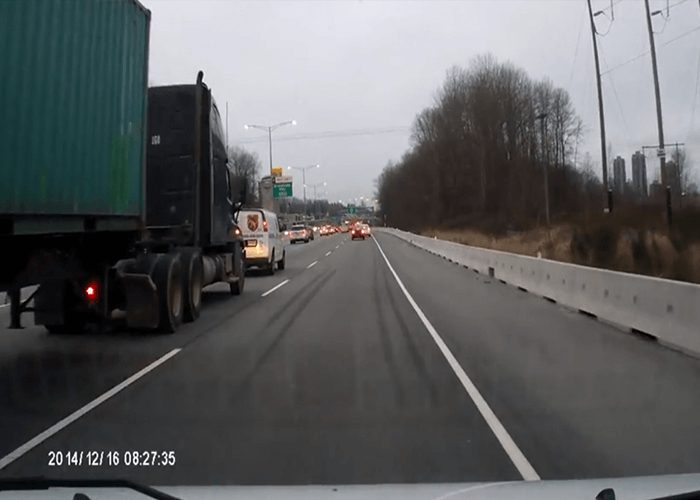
357 232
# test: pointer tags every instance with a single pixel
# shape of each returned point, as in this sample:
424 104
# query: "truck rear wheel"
237 287
167 276
192 279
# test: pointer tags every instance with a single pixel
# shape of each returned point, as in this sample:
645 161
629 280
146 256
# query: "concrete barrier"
666 309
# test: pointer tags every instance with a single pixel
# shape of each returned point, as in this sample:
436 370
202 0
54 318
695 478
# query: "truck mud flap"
49 303
141 301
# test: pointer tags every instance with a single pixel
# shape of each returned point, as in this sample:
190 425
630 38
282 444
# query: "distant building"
619 175
639 174
656 190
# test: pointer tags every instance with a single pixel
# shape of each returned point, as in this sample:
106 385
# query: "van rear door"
252 224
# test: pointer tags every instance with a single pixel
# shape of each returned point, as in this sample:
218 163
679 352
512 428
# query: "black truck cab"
188 177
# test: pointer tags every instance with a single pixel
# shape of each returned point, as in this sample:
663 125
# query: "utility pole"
542 117
603 152
657 93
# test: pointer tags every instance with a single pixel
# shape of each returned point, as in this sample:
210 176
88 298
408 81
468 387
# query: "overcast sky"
337 66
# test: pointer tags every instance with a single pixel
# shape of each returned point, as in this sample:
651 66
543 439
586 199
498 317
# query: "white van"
264 247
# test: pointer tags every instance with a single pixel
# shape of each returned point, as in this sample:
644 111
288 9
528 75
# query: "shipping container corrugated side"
73 108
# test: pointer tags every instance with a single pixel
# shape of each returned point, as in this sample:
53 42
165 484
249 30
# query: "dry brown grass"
647 250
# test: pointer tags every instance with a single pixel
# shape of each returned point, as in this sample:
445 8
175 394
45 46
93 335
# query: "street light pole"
303 177
269 141
315 186
303 180
269 129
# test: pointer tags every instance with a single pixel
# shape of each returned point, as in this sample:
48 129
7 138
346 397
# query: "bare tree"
245 168
476 155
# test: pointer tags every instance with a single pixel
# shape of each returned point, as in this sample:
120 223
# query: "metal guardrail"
665 309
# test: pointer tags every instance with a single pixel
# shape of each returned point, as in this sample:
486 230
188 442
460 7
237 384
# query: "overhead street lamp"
269 129
303 177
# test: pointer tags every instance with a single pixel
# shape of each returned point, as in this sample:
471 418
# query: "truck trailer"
117 202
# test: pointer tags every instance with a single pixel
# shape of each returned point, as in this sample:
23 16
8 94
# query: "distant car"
325 231
357 232
310 231
264 246
299 232
368 231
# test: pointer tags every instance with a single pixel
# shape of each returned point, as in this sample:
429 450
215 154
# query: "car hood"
629 488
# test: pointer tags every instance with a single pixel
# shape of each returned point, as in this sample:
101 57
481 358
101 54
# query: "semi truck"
117 201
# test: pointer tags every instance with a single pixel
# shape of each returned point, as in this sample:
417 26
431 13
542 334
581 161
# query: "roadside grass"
633 239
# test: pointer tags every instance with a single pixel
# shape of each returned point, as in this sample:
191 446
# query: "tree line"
478 155
317 208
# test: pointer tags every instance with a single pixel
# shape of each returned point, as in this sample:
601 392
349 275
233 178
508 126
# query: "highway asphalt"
339 377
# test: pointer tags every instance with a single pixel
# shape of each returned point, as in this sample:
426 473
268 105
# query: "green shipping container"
73 94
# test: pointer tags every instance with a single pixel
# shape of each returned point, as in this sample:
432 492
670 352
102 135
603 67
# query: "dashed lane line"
274 288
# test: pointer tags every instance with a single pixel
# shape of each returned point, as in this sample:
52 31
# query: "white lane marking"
312 264
274 288
328 253
337 247
516 456
62 424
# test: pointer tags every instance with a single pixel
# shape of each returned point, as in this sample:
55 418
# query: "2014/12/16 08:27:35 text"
112 458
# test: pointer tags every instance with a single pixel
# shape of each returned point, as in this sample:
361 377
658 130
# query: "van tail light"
265 226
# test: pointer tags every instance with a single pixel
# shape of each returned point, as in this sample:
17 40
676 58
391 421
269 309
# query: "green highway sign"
352 209
282 190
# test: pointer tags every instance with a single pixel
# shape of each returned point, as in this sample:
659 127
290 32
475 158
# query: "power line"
663 28
617 99
578 39
676 4
682 35
608 30
330 134
610 7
